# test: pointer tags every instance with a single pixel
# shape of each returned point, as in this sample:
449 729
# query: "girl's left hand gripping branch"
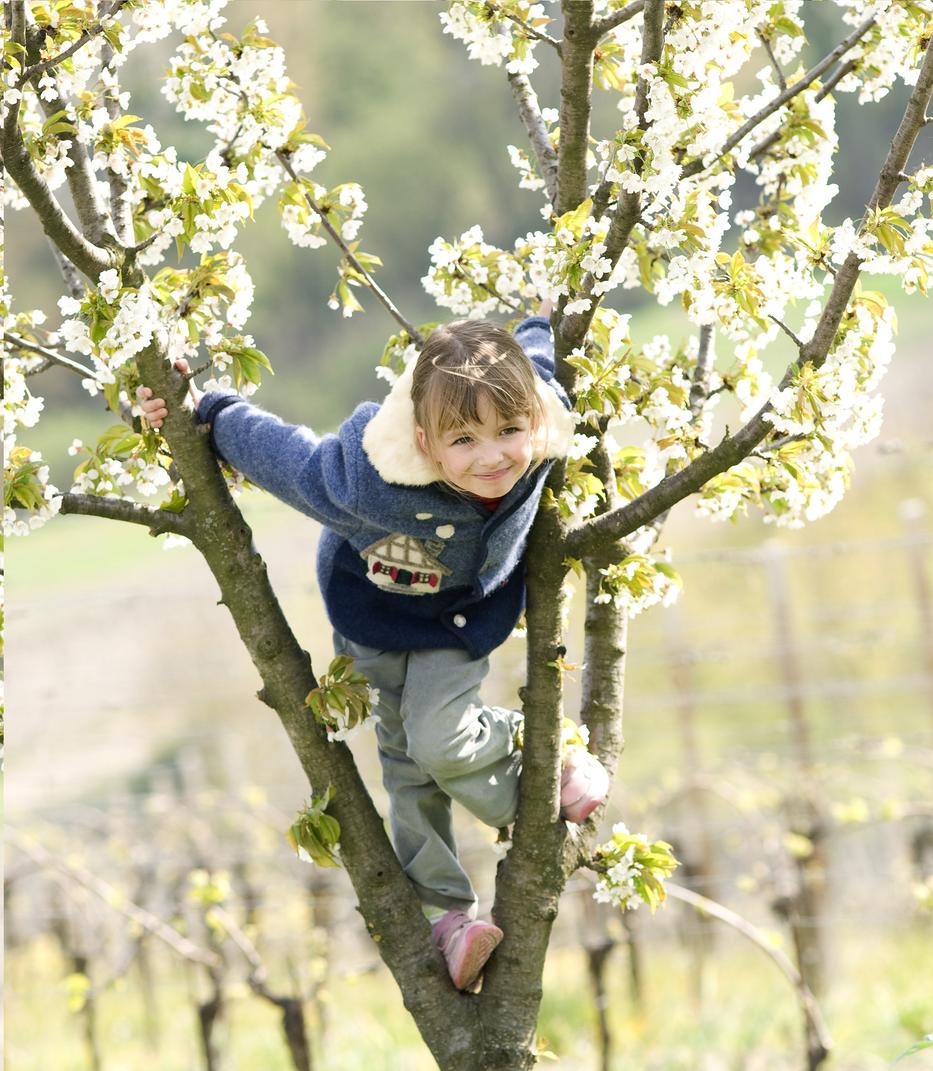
155 410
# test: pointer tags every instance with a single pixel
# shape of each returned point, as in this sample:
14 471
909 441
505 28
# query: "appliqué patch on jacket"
403 564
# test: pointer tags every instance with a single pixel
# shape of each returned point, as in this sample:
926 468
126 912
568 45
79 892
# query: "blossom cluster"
784 258
890 49
637 583
29 499
344 701
473 278
632 870
240 89
493 33
824 413
121 458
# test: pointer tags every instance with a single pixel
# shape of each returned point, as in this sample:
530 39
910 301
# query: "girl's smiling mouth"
497 475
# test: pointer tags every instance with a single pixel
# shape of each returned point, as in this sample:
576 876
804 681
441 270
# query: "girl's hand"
154 409
545 308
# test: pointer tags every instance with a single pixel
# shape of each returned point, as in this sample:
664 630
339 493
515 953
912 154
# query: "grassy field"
876 1009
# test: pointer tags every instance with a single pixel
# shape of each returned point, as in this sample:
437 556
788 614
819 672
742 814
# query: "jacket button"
459 620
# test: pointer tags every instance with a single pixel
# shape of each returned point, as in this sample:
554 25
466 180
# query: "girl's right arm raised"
314 474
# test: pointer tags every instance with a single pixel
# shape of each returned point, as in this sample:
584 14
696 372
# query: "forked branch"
36 69
733 449
783 98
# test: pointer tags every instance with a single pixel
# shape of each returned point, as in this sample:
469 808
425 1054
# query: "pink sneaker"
584 785
465 944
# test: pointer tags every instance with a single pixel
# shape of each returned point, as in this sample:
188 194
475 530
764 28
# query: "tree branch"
87 257
82 182
602 26
675 487
92 31
412 331
69 273
530 30
602 698
573 328
817 1029
387 901
781 99
828 86
121 213
50 355
158 521
115 899
576 88
699 388
782 81
530 114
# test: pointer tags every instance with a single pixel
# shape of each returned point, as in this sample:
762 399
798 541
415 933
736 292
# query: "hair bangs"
466 363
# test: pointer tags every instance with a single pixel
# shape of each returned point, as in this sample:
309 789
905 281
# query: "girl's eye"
510 431
462 440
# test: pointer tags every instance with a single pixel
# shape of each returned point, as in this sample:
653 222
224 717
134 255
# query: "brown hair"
462 363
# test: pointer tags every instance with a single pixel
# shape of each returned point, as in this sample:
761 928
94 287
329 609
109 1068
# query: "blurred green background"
123 674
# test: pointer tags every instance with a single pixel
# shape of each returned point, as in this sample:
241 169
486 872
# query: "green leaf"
575 218
925 1042
316 832
189 182
58 123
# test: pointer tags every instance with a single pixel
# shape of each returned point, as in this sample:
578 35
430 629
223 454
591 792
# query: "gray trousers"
437 742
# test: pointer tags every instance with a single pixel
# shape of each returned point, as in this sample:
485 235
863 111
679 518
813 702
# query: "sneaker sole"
476 952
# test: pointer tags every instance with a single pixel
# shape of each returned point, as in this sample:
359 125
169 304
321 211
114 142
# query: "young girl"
426 503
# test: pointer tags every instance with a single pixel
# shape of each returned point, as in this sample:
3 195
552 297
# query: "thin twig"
530 30
782 81
603 26
786 440
460 270
69 272
787 331
413 332
91 32
135 250
718 911
830 84
50 356
781 99
835 78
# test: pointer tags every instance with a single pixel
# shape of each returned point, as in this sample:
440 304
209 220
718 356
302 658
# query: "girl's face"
485 459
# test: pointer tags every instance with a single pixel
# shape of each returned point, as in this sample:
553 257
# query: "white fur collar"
390 444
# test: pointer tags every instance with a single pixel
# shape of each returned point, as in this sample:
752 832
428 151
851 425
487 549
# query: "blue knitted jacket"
404 562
